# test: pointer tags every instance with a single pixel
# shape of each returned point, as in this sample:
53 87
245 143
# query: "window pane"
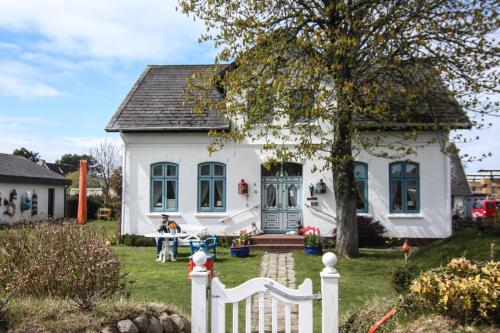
171 195
171 170
218 170
271 196
292 196
396 169
359 170
157 194
205 170
158 170
219 193
411 194
361 203
411 169
205 193
396 195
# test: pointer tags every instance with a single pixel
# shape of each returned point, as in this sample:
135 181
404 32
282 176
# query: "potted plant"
312 241
240 247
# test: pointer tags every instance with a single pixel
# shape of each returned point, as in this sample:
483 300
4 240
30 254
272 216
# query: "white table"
167 250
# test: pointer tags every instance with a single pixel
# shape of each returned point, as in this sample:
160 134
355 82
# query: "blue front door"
281 203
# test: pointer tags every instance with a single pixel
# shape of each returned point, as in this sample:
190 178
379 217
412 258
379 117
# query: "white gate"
303 297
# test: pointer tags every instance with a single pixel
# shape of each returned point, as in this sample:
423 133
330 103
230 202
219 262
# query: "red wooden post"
82 193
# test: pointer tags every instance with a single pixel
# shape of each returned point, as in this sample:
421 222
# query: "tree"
74 160
107 157
29 154
344 66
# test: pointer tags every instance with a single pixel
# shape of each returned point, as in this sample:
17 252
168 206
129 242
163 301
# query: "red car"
484 209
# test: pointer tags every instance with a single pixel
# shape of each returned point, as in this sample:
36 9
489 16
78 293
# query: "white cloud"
22 80
124 29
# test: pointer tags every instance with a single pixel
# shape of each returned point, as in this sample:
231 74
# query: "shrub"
402 276
463 290
67 261
94 202
5 295
136 240
374 309
224 241
370 232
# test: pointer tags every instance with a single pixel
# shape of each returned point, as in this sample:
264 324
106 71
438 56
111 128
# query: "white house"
167 169
28 190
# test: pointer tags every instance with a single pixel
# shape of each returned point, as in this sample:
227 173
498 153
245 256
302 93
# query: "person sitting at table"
163 227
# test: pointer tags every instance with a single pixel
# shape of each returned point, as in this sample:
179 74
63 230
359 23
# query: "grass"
362 278
369 275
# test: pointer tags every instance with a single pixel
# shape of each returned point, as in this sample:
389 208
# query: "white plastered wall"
243 161
42 192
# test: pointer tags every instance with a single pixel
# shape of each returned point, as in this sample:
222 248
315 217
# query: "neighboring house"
62 169
460 188
29 191
167 169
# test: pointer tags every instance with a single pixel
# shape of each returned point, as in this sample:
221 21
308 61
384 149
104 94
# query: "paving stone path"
279 267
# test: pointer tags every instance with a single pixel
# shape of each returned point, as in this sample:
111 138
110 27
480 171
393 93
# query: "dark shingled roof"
459 184
17 169
156 103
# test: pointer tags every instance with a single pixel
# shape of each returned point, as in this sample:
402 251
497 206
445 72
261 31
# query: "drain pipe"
382 320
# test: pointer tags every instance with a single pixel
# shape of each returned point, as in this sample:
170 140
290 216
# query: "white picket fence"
303 297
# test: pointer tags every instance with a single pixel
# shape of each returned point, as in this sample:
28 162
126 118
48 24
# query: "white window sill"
407 216
365 215
209 215
159 214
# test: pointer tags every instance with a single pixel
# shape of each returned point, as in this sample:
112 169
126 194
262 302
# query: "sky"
65 66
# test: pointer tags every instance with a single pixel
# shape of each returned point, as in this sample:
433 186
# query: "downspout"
124 168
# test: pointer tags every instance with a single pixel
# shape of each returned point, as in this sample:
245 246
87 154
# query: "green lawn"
361 278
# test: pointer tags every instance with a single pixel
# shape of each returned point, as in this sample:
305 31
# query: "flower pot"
313 250
240 252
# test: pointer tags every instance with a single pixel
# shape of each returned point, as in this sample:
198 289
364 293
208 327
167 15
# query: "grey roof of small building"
156 103
17 169
459 184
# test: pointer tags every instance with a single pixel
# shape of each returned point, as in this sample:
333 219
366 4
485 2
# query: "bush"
67 261
463 290
370 233
402 276
94 202
374 309
5 295
136 240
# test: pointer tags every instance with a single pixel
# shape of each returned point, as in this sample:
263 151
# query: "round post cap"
329 259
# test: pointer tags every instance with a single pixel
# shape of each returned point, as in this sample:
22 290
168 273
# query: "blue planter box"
240 252
314 250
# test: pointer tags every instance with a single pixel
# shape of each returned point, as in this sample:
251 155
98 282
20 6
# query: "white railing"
303 297
238 213
322 212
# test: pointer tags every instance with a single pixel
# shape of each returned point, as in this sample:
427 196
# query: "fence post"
199 284
330 294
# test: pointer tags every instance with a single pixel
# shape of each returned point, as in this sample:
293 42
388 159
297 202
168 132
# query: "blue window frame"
361 180
404 187
212 187
164 187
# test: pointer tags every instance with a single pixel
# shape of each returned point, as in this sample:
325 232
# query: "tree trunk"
344 186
